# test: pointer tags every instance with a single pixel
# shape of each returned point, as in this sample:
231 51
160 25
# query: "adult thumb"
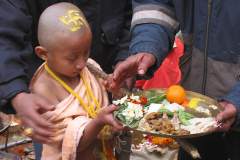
146 61
45 105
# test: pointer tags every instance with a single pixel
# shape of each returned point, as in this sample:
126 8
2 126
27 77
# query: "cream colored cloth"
145 155
71 119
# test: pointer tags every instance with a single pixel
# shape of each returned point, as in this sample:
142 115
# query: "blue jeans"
38 150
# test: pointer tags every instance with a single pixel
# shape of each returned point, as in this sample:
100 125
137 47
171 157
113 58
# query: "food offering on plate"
171 112
152 147
155 144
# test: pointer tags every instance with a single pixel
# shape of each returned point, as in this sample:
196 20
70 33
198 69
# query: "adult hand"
108 82
119 91
227 117
135 64
29 108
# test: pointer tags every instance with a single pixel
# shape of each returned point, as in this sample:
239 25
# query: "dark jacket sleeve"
153 28
15 46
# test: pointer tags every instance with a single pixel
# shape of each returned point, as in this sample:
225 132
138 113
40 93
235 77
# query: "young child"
65 39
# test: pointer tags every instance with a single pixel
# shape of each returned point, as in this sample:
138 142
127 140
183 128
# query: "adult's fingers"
36 118
126 68
39 134
44 105
228 113
224 127
43 131
130 82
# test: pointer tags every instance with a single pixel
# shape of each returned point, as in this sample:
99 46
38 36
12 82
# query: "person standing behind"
110 24
18 63
210 64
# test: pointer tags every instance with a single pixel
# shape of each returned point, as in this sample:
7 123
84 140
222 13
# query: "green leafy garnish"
156 99
164 110
184 117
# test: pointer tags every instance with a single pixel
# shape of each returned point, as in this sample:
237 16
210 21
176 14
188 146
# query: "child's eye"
70 59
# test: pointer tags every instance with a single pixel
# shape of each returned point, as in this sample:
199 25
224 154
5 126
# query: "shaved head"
61 20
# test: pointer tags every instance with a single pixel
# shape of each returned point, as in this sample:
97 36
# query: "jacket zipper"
206 48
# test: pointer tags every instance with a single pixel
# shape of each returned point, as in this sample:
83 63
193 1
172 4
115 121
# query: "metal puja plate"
4 124
206 102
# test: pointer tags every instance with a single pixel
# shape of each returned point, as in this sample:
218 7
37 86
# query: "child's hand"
105 116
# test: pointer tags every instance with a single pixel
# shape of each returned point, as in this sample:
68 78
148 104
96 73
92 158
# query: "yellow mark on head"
73 19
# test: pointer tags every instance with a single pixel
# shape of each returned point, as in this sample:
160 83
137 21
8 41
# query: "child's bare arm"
94 127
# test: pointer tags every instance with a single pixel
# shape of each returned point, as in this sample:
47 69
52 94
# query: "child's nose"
78 66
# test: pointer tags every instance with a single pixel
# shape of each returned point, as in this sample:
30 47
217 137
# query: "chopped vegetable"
156 99
184 117
143 100
194 102
161 140
164 110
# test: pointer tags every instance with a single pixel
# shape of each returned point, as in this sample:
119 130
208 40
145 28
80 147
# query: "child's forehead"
73 41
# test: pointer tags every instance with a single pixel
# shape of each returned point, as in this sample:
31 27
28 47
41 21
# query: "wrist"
98 122
17 97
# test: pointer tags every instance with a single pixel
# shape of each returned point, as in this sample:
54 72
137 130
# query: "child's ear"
41 52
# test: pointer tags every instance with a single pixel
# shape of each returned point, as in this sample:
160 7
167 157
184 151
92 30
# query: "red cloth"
168 73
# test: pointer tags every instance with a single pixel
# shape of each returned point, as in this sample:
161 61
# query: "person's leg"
210 147
232 140
124 142
37 150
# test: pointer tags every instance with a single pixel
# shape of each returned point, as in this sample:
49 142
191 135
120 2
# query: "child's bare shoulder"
45 86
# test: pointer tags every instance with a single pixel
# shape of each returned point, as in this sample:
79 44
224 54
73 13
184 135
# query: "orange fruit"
176 94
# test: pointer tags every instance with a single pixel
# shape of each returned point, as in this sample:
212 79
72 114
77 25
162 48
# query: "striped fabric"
151 13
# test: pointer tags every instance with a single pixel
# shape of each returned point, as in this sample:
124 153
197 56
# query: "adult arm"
15 28
15 50
153 30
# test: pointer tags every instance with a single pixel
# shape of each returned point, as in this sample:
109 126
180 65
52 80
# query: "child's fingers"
111 108
118 126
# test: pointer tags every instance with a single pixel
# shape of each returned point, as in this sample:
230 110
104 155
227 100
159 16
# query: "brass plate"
205 103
